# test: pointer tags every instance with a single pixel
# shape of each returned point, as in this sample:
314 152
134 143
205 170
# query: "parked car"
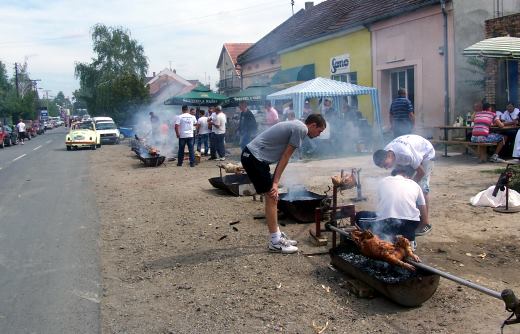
29 129
83 134
10 137
107 129
127 131
5 139
40 128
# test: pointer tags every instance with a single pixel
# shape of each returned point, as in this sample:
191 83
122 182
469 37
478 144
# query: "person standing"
21 131
413 151
185 124
276 145
402 117
247 124
212 117
156 125
203 135
219 126
271 115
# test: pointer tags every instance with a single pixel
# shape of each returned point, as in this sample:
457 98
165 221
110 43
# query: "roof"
171 74
233 50
327 18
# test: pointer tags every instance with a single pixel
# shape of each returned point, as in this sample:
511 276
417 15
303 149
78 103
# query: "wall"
260 71
356 44
414 40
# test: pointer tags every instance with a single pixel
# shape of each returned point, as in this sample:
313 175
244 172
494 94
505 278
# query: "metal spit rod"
449 276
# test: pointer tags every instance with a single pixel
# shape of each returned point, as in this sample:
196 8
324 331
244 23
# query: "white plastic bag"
486 198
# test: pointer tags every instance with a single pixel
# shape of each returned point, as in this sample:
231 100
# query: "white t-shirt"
213 118
221 122
186 123
399 198
505 116
20 127
203 125
411 150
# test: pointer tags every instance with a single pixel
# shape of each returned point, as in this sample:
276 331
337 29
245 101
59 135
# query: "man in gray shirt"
276 145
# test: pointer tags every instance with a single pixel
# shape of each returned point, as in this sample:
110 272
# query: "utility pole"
16 78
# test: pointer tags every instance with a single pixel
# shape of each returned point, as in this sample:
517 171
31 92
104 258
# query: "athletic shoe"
291 242
495 158
282 246
212 158
221 159
422 230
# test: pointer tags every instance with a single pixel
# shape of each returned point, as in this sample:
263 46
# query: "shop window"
403 78
350 77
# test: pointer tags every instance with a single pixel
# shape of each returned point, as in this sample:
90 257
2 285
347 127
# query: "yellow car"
83 134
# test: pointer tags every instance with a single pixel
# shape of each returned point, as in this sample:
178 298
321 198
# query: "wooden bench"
481 148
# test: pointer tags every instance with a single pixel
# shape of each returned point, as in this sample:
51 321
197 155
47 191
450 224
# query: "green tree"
113 83
5 88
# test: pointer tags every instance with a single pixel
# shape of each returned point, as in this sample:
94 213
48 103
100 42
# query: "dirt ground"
172 263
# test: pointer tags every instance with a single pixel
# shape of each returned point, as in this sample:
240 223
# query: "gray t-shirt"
270 144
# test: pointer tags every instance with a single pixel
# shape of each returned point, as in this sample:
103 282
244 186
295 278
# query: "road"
49 227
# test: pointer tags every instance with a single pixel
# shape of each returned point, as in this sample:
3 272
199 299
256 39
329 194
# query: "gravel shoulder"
172 263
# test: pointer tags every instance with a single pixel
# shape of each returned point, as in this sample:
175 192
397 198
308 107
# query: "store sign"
340 64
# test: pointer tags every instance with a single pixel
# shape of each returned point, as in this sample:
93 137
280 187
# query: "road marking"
37 148
48 142
23 155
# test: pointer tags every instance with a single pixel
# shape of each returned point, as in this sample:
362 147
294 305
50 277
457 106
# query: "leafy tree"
113 83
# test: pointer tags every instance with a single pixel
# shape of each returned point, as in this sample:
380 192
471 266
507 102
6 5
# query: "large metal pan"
300 205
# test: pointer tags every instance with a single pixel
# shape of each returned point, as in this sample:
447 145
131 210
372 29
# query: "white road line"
48 141
23 155
37 148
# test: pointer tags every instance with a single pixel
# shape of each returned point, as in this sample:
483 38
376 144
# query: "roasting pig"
373 247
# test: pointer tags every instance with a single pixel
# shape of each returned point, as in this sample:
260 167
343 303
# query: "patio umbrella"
497 47
200 96
253 93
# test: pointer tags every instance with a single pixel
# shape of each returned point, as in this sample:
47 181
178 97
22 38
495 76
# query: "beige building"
230 72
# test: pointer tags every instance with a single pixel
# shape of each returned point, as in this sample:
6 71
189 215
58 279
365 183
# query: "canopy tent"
498 47
254 94
200 95
322 87
293 74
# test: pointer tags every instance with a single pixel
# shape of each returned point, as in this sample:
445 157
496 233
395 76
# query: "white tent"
322 87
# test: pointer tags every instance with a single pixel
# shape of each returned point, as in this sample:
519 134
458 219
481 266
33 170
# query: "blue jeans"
220 149
180 155
203 139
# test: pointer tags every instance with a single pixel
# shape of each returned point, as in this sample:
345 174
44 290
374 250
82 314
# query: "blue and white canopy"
322 87
497 47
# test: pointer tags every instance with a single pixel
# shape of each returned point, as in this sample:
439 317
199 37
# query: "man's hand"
273 193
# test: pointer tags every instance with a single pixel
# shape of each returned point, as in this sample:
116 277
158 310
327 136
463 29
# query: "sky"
53 35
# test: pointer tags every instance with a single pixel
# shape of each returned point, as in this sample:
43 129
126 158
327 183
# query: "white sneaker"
495 158
221 159
282 246
289 240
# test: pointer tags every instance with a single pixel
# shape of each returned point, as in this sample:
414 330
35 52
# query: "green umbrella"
200 95
254 93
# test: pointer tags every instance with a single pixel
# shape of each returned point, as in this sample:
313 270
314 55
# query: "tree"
113 83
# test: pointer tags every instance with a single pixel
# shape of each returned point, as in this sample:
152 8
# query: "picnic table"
481 148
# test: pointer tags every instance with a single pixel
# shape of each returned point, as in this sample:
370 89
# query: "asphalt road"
49 227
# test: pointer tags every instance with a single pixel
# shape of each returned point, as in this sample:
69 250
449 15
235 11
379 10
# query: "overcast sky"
53 35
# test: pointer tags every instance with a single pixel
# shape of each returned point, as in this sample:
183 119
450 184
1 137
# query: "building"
230 72
167 83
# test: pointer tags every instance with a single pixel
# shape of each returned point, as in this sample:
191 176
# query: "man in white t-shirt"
185 124
21 131
219 129
401 207
203 133
416 152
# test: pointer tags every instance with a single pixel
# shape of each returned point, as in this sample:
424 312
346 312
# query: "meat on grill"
345 181
373 247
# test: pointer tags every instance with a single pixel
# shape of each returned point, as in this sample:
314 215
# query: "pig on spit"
373 247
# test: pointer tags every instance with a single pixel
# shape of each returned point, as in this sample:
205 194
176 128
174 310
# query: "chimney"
309 5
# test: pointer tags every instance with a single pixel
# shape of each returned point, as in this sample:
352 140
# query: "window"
403 78
350 77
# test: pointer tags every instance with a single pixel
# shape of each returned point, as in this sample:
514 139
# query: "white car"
107 129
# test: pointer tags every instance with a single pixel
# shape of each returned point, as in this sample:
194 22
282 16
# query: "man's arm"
177 130
419 173
423 210
280 167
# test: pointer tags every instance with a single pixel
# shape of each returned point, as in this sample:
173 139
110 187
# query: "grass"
515 180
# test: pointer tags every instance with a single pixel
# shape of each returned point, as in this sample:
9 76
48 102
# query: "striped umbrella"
497 47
